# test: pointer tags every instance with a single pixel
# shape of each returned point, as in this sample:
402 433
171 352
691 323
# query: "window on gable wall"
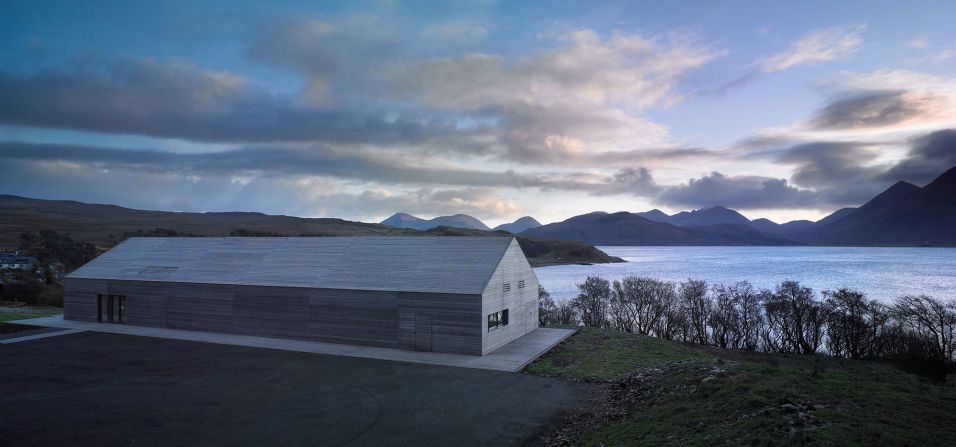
506 287
497 320
520 283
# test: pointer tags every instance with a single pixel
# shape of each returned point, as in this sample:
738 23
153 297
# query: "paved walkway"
512 357
11 340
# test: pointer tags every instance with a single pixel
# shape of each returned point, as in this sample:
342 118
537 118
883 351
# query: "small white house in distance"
467 295
14 261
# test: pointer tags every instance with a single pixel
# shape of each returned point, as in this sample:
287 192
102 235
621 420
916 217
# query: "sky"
358 110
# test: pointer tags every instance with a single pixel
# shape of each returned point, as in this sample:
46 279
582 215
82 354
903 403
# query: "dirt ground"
105 389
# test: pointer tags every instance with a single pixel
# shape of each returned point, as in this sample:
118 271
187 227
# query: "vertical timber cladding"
79 298
358 317
504 291
199 307
272 311
145 301
440 322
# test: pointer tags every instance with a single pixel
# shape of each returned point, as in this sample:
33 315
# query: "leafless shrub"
593 301
795 320
929 321
696 306
856 326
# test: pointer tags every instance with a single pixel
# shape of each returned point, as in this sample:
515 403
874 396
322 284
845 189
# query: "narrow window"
506 287
520 283
497 320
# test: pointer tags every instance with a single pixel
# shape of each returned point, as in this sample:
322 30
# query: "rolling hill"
103 225
625 228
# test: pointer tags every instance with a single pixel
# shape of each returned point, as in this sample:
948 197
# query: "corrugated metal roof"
455 264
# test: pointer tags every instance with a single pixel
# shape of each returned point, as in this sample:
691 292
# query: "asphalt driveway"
106 389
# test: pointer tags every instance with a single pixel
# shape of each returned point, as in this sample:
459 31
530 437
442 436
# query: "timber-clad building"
467 295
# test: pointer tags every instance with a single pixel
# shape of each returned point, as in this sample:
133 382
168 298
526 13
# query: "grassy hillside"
101 225
655 392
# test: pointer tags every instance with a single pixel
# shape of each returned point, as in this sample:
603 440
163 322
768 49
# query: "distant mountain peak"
656 215
944 184
520 224
405 220
714 215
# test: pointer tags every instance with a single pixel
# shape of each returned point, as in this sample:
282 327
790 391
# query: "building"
15 261
467 295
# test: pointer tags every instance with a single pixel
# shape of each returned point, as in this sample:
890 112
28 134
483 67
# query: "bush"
917 330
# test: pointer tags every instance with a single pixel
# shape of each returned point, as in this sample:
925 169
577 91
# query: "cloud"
632 181
842 173
943 56
556 106
876 109
741 192
879 107
816 47
576 103
175 100
918 43
825 164
928 157
335 55
255 162
302 196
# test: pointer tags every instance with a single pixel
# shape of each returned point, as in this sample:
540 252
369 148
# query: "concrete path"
9 341
512 357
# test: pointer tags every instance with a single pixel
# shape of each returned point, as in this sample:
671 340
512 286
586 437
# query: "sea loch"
882 273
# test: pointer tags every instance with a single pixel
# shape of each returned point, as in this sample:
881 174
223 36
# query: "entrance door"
423 332
111 309
528 321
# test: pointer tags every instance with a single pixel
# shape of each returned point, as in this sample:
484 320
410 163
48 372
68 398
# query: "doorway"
423 332
111 309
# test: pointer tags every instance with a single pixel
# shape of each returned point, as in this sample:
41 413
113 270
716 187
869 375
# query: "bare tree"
750 320
672 322
565 314
855 325
696 306
723 319
795 320
593 301
621 312
931 320
644 295
546 308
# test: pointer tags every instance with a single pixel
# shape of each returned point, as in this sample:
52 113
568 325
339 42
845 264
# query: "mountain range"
404 220
903 215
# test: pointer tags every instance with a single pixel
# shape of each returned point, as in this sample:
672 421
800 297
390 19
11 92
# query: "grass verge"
657 392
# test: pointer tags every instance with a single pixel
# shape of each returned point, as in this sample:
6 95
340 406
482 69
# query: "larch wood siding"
360 317
454 322
272 311
199 307
522 303
145 302
79 298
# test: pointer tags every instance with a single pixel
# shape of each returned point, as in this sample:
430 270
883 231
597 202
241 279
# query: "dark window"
506 287
111 309
497 320
520 283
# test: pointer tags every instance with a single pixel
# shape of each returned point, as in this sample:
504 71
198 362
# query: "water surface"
882 272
